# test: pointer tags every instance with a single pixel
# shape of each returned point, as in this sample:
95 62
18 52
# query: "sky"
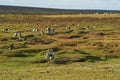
66 4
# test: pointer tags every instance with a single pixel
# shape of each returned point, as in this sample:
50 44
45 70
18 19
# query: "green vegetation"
80 53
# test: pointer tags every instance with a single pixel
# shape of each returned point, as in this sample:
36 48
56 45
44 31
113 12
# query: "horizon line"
59 8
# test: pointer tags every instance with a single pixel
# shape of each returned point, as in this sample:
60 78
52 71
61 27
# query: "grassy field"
80 54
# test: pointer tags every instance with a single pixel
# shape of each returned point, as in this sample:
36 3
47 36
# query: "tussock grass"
79 54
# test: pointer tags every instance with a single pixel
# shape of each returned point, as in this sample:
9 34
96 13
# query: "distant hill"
36 10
